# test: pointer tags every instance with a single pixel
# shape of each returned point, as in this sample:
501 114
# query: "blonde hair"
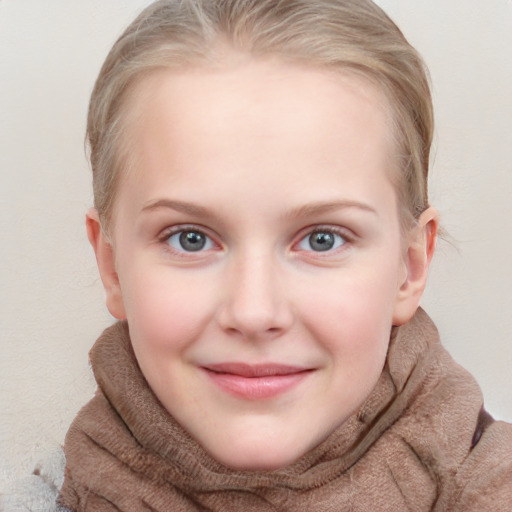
354 35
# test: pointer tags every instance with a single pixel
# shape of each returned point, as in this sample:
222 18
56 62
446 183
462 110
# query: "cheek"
352 322
166 310
352 300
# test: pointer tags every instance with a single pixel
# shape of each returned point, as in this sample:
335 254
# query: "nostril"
251 333
254 306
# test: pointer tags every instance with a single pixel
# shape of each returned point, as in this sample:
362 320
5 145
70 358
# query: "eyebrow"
307 210
179 206
320 207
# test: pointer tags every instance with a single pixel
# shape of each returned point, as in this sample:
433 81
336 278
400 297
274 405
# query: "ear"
417 258
106 264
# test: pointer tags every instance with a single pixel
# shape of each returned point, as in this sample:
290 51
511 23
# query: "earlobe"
106 264
420 250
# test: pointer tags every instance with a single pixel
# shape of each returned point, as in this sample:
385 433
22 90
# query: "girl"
263 233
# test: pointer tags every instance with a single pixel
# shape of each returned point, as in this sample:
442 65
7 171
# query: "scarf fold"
125 452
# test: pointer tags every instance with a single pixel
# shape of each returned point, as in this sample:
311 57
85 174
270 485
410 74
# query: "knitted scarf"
407 448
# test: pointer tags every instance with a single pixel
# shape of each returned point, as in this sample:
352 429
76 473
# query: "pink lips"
255 382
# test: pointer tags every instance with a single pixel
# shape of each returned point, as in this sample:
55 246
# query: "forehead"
253 94
262 124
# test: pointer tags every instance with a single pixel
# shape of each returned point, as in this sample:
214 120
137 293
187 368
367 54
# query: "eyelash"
167 235
344 234
182 229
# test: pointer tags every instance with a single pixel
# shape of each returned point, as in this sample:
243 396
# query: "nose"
255 304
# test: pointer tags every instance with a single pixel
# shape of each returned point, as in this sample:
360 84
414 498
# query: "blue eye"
190 240
321 241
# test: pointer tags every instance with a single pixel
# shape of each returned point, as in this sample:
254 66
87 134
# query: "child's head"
257 164
342 35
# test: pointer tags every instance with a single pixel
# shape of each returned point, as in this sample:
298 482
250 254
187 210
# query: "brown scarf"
401 451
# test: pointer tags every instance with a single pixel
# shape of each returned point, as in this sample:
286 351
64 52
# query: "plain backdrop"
51 299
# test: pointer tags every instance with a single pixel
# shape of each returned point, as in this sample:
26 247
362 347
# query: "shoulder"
38 491
485 479
466 454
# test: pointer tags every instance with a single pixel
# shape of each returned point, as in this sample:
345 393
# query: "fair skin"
257 254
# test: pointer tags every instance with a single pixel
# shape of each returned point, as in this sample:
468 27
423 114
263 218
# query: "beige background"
51 301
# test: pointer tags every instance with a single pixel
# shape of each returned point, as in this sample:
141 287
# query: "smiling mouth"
255 382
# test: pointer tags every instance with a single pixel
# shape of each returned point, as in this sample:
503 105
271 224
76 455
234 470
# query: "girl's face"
257 253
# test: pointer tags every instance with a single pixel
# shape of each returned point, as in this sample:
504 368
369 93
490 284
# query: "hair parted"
353 35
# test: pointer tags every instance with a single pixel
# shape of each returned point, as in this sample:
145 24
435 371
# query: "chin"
262 456
258 463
